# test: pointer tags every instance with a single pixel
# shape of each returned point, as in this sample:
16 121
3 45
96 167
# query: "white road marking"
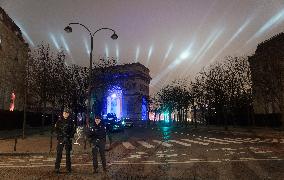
128 145
163 143
262 152
37 156
265 140
36 163
197 142
148 161
171 155
141 153
136 156
6 164
179 142
225 140
196 159
145 144
228 149
216 142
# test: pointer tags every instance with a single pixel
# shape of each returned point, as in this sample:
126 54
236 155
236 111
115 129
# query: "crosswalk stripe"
179 142
128 145
145 144
197 142
248 140
225 140
216 142
240 140
163 143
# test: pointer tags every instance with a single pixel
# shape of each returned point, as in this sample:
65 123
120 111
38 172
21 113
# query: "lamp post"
114 36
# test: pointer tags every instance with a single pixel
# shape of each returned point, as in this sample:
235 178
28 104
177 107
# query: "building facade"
122 90
13 58
267 70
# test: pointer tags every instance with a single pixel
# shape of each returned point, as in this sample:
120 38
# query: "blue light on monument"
114 102
144 108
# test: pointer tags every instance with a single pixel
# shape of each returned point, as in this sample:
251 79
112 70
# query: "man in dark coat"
98 138
65 129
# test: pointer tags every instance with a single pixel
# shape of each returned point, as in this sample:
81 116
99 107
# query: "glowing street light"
114 36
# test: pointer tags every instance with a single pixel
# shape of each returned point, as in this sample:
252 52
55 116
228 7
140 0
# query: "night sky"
173 38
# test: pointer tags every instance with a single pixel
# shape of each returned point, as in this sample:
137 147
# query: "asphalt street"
166 153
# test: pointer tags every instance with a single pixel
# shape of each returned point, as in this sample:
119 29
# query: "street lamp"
114 36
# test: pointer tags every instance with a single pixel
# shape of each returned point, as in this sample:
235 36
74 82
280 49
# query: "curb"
25 154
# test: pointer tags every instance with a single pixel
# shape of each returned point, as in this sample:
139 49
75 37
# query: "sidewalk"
35 144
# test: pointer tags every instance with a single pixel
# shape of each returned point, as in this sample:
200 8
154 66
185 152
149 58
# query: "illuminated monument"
267 67
122 90
13 57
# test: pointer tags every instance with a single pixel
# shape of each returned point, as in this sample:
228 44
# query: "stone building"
13 58
267 69
123 90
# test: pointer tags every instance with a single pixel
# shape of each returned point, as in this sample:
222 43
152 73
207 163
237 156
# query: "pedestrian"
65 129
98 139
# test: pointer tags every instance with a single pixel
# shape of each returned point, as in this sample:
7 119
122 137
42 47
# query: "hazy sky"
173 38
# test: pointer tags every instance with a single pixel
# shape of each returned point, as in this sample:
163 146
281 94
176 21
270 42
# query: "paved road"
168 153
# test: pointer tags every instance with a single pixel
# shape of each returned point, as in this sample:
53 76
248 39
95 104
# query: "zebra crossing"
205 141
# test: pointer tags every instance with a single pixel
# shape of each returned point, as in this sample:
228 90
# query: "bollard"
15 146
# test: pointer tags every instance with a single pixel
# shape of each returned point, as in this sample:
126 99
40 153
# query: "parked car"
113 124
127 122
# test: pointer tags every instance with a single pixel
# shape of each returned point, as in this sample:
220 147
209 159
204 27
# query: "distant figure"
65 129
12 103
98 138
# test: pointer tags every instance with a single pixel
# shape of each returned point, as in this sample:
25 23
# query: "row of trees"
219 94
52 84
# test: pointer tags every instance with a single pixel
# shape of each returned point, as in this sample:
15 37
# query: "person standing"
98 139
65 129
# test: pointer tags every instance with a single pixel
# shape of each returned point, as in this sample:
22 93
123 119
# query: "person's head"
97 119
66 112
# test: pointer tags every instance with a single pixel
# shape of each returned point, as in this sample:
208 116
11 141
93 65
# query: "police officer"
98 139
65 129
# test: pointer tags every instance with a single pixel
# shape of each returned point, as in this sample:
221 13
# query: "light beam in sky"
183 56
168 51
274 21
232 38
65 44
117 52
54 41
25 34
87 46
209 46
209 43
149 55
137 53
106 51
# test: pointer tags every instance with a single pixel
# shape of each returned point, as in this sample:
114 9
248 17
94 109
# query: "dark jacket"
98 132
65 128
